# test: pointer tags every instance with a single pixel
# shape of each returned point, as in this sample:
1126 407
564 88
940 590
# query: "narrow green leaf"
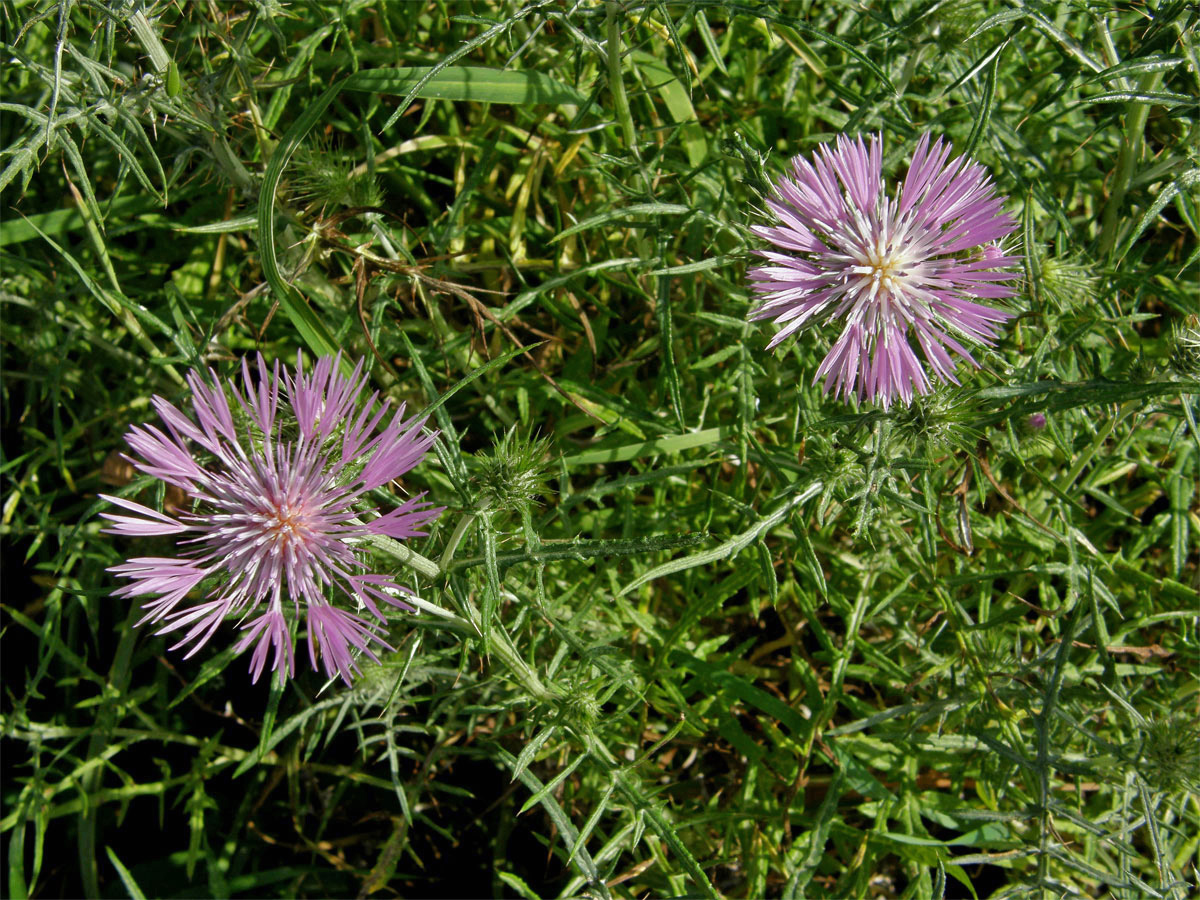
526 297
467 47
819 834
489 366
666 831
666 328
709 40
1154 98
730 547
476 84
519 886
312 329
703 265
584 549
530 750
984 114
1137 67
550 786
580 858
671 444
268 725
229 226
674 95
491 595
767 572
724 682
127 879
1176 188
268 741
18 887
803 27
629 214
600 808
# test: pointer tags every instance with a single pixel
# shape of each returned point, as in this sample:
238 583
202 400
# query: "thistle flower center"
884 267
287 525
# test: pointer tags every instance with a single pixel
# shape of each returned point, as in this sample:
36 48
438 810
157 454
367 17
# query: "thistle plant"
892 270
278 485
691 628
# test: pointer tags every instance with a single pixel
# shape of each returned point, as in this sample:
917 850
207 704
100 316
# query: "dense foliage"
690 626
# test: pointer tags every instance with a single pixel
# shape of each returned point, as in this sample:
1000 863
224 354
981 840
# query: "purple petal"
406 520
155 523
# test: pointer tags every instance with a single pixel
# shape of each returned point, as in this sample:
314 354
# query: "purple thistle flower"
912 265
278 516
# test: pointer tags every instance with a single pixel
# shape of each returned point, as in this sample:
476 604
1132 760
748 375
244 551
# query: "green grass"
715 634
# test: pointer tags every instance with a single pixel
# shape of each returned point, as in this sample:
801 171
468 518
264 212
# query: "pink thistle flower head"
278 516
899 272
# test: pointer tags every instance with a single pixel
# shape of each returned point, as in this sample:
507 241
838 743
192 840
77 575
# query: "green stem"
456 539
1131 149
503 648
148 38
106 720
410 558
616 84
501 644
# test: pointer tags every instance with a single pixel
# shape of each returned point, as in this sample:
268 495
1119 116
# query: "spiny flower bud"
323 179
934 425
514 474
1170 757
1067 281
1184 350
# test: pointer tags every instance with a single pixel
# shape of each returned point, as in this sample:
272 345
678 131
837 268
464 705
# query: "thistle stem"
616 84
1131 149
410 558
456 539
506 651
